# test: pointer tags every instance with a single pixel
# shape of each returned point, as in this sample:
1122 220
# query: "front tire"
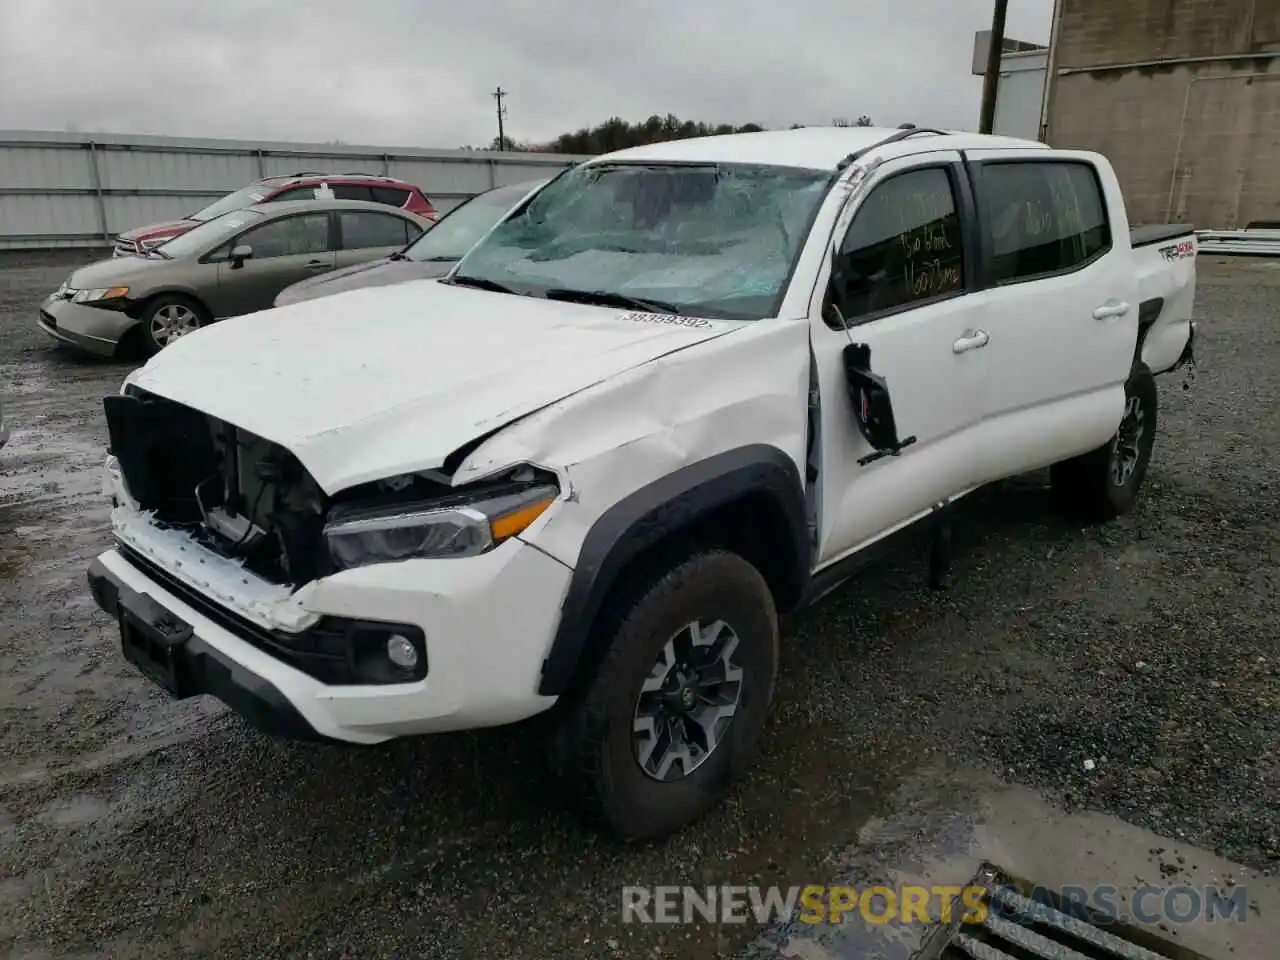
1103 484
673 711
167 318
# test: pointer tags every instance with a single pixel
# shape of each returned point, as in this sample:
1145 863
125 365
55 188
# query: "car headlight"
460 526
101 293
153 243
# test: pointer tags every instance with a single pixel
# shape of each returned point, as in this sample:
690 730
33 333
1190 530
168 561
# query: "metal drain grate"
1017 927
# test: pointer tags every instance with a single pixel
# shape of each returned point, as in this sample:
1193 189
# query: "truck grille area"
237 494
335 652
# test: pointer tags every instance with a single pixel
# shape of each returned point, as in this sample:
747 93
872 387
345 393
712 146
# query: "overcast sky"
420 72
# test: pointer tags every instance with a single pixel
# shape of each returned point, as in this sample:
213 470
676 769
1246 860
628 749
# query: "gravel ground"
139 827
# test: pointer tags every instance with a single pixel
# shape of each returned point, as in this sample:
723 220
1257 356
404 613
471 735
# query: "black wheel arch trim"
662 508
1148 313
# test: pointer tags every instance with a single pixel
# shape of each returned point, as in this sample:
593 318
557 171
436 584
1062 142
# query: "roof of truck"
818 148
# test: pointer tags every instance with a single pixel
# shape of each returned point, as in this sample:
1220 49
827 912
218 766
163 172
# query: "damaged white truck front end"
679 390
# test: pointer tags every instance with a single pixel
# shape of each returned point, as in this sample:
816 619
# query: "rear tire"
691 660
1103 484
167 318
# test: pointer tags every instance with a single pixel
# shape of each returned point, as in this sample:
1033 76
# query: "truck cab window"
903 247
1045 218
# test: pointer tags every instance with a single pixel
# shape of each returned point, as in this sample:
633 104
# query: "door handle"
971 340
1109 310
317 265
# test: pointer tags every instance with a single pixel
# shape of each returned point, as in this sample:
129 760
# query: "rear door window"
1043 217
351 191
361 230
391 196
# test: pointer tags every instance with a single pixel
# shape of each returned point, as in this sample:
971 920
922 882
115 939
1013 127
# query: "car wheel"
673 711
1103 483
170 317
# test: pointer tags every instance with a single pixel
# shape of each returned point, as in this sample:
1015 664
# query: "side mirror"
872 406
240 254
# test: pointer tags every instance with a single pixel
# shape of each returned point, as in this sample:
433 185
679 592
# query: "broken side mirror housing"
843 280
240 254
872 406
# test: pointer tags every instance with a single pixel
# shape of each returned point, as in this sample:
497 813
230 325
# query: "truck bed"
1155 232
1164 256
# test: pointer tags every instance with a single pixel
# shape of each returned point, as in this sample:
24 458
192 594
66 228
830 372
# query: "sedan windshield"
197 239
460 228
705 240
245 197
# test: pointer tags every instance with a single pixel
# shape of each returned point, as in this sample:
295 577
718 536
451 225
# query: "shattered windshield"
708 240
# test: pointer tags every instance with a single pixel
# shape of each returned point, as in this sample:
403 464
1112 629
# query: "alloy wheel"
688 701
172 321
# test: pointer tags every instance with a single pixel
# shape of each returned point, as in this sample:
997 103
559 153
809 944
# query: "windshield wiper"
440 259
480 283
606 298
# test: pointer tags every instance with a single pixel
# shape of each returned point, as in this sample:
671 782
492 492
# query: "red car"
298 186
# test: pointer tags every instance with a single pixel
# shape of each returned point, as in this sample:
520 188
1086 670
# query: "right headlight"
461 526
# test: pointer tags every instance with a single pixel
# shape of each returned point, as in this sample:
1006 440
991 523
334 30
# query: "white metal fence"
79 190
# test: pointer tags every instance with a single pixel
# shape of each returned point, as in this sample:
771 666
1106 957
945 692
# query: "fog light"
401 652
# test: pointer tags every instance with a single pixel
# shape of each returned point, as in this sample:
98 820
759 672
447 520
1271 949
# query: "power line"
502 112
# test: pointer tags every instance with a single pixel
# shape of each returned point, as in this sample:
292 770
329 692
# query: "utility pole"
991 79
502 112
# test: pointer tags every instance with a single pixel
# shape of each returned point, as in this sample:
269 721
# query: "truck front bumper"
186 665
487 623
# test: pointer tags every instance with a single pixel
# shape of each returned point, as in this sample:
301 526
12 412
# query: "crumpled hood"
381 381
376 273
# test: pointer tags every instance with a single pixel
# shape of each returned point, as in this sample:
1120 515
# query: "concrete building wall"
1181 96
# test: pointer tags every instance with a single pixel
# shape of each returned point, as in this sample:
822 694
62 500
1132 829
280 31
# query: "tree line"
618 134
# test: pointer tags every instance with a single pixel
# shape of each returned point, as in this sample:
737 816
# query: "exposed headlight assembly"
464 525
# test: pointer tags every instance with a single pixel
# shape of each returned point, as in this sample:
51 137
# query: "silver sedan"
228 266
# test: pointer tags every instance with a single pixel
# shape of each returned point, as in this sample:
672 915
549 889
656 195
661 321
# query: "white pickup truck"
680 390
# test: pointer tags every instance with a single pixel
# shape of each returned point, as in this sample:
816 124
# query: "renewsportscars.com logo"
879 904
